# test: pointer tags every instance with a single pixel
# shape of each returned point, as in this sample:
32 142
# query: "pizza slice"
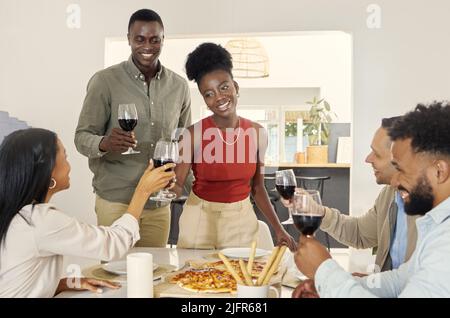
205 281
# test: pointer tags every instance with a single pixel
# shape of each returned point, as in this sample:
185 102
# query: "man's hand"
310 254
308 204
118 141
305 289
286 203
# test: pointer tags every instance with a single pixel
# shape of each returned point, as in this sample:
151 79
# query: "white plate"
243 252
120 267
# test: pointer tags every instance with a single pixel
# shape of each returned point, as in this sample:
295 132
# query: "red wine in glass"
285 183
165 152
308 211
307 224
286 191
127 124
128 118
161 162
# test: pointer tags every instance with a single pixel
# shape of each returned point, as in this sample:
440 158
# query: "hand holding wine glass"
128 119
117 141
285 182
165 152
310 255
155 178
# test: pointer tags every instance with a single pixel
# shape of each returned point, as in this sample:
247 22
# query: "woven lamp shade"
249 58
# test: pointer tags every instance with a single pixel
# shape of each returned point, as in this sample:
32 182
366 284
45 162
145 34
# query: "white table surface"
177 257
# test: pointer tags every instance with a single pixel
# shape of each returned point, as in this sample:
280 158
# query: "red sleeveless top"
225 162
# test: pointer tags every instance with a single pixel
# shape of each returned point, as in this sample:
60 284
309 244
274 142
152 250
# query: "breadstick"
267 267
247 277
231 269
274 265
251 258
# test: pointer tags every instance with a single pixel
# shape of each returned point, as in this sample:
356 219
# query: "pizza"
212 277
256 269
208 280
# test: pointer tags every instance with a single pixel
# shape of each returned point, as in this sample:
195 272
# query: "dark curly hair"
387 123
207 57
428 126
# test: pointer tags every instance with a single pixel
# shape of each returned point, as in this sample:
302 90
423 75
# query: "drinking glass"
165 152
307 211
128 118
285 182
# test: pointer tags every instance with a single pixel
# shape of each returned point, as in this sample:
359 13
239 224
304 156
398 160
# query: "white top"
31 257
426 274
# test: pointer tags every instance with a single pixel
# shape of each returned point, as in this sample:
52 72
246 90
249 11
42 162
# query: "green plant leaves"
320 115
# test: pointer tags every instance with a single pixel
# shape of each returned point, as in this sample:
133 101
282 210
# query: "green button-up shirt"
163 106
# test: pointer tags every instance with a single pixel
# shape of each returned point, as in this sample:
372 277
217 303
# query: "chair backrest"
264 237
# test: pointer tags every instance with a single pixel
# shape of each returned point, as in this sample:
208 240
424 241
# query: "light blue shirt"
426 274
400 236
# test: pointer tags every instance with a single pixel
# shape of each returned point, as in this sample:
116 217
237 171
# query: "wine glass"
285 182
165 152
307 211
128 118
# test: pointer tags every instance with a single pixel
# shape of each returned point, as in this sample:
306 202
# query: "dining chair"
264 240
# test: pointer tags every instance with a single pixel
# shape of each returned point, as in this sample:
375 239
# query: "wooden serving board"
165 289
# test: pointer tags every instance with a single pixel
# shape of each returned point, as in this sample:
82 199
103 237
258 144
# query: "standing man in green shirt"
163 104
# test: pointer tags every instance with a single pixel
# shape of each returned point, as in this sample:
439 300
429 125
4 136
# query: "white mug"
140 275
244 291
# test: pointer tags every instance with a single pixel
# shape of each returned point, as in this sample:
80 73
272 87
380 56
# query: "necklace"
231 143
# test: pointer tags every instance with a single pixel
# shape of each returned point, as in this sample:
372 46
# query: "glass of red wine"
128 118
285 182
308 211
165 152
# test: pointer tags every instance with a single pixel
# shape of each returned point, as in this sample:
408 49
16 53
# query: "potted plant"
317 128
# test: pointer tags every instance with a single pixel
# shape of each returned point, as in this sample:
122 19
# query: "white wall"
45 66
297 60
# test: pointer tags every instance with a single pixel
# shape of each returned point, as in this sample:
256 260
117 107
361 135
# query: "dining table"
176 258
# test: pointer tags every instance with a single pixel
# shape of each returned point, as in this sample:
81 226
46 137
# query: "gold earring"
53 185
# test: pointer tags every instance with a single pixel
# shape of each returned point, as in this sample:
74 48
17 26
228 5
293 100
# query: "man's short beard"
421 198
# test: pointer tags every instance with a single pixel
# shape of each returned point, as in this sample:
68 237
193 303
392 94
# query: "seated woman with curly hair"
35 235
226 154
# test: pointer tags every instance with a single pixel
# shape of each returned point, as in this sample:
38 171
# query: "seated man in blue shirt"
421 155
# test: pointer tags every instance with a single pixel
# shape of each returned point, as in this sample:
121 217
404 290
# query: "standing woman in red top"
226 154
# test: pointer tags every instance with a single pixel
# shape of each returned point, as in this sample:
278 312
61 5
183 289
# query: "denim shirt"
400 237
426 274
